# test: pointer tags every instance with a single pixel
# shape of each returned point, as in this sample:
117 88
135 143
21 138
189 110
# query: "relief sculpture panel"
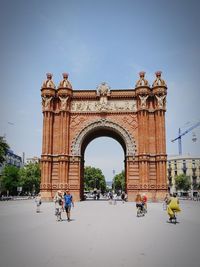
104 105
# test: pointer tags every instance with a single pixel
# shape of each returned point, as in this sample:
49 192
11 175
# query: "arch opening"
103 127
102 132
93 135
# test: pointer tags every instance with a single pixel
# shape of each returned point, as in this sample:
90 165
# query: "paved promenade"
99 235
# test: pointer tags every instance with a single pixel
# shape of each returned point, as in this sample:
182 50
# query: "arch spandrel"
98 125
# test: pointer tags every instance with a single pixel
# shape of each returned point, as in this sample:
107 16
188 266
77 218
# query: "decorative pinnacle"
158 73
142 74
49 76
65 75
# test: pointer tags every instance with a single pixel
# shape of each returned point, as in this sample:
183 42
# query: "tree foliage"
3 149
10 179
182 182
94 178
119 181
30 177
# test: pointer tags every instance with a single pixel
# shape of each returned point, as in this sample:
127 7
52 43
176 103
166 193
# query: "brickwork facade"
134 117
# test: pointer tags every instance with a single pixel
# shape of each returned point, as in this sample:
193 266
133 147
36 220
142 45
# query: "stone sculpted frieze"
104 105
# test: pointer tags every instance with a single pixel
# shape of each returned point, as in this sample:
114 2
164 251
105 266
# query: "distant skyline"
97 41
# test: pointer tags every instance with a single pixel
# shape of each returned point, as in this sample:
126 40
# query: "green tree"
10 179
94 178
182 182
119 181
30 177
3 149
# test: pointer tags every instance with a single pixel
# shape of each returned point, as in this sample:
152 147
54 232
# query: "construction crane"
182 134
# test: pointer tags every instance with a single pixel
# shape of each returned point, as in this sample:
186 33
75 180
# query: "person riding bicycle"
144 201
173 207
167 198
139 202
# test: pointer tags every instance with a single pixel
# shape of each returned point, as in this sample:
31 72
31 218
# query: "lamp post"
113 180
95 182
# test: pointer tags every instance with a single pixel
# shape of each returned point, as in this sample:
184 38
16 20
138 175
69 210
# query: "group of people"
114 197
171 201
63 202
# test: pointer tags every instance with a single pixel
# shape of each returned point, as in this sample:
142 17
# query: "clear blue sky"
97 41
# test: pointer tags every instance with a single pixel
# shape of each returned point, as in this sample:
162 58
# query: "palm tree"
3 149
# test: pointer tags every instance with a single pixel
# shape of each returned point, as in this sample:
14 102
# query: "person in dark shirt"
68 204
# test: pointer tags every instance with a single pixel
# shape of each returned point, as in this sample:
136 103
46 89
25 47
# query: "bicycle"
173 219
140 211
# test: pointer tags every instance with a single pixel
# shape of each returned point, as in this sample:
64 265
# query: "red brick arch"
134 117
104 127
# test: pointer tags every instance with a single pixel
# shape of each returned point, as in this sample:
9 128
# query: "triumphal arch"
134 117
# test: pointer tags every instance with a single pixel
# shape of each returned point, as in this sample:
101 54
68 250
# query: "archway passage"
134 117
104 157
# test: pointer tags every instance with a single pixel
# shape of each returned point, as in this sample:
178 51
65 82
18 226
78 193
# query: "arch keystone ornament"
134 117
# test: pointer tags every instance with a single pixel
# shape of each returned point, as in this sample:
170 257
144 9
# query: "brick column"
64 94
48 95
64 149
143 94
159 93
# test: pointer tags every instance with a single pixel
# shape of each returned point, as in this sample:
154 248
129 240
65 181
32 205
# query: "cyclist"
144 201
173 207
139 203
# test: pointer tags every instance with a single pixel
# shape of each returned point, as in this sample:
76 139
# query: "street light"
114 180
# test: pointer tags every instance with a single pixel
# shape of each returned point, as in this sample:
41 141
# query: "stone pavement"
99 235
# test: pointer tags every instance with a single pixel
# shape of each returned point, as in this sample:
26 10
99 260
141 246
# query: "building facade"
188 165
11 159
134 117
33 160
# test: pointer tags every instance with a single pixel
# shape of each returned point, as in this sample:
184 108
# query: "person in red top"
144 200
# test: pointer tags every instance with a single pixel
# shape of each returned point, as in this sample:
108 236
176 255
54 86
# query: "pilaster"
64 94
143 93
159 90
48 93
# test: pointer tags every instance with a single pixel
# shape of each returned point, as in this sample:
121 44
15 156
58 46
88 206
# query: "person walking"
58 200
68 199
123 197
110 197
38 202
115 199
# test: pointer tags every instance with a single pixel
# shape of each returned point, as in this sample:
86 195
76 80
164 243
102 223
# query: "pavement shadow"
71 220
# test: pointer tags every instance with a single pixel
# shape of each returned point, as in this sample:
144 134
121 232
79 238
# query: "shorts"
67 208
